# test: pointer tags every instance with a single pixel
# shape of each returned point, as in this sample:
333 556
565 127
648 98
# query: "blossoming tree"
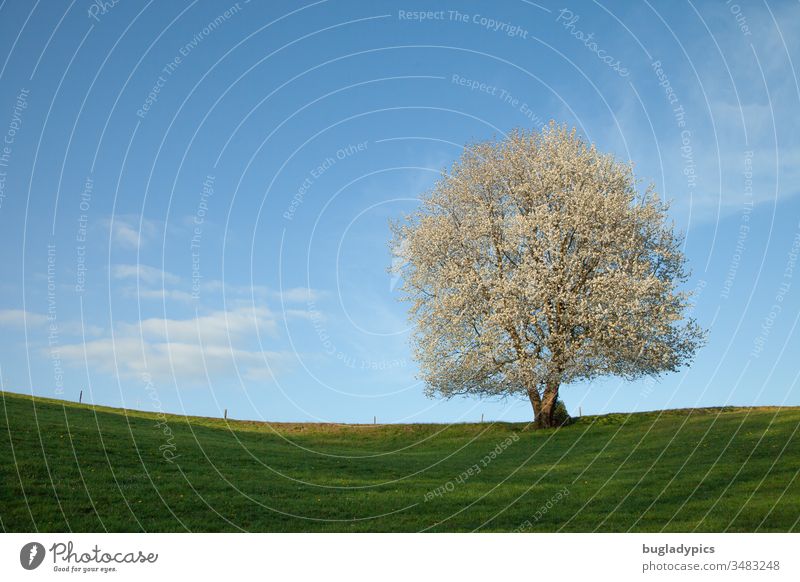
535 262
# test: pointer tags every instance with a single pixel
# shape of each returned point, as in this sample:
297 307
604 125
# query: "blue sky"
194 196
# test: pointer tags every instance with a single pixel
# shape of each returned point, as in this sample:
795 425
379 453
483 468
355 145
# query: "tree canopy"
536 262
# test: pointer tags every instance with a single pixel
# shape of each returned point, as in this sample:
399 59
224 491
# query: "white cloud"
21 318
182 362
304 314
730 110
155 283
79 328
145 273
219 344
288 295
160 294
131 231
299 295
226 288
218 327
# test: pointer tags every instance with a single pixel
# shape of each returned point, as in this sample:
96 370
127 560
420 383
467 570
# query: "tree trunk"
544 405
536 402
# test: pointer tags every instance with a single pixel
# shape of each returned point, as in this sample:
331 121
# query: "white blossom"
535 262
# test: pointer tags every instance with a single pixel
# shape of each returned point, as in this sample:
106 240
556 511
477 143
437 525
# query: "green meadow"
71 467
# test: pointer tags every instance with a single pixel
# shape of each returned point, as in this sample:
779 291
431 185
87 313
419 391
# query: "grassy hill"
74 467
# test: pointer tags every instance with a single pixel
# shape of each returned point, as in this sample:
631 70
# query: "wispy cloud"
131 232
39 321
159 294
739 100
299 295
163 285
218 327
183 363
145 274
21 318
215 345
